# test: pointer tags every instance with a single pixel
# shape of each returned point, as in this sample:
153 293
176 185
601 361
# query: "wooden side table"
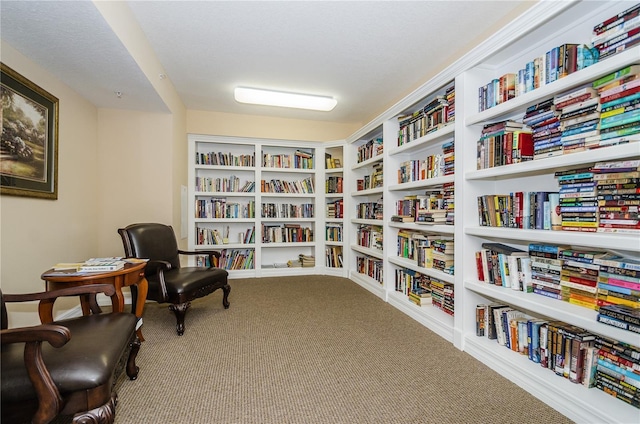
131 274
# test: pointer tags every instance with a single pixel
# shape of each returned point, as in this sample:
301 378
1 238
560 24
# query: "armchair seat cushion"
189 281
85 362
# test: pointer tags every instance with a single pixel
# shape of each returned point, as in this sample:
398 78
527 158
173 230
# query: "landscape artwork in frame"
29 143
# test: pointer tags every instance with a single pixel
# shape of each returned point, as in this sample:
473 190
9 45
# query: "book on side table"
94 265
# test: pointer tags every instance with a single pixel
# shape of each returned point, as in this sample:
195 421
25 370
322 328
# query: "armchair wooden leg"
180 311
104 414
132 369
226 289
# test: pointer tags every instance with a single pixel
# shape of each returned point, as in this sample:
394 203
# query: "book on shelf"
307 261
402 218
420 298
481 319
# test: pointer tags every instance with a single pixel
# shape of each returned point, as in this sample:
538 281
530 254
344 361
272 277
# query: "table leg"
141 298
118 282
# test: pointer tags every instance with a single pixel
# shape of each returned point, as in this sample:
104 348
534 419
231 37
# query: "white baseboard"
102 301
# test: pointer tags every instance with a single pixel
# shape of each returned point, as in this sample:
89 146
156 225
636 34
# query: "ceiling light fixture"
282 99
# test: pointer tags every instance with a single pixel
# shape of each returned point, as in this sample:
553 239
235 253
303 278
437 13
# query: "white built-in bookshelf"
336 208
415 154
366 187
369 242
262 231
569 23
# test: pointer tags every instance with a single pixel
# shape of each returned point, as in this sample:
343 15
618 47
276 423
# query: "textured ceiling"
367 55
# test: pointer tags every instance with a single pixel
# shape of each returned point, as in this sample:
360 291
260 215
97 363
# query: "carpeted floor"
311 350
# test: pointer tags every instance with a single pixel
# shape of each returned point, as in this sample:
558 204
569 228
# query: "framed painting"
29 143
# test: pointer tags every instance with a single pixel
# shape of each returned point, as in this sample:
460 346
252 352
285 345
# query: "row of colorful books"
371 267
229 259
598 280
304 186
435 207
370 210
604 113
370 149
555 64
437 113
333 184
219 208
286 233
335 209
231 184
225 159
333 257
604 197
424 290
375 180
369 236
333 231
522 209
435 251
617 33
433 166
298 160
211 236
610 37
567 350
287 210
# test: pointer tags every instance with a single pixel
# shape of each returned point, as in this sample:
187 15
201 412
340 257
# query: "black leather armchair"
66 367
168 281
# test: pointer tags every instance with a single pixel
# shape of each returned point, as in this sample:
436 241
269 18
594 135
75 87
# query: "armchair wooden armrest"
160 267
50 401
76 373
48 298
210 253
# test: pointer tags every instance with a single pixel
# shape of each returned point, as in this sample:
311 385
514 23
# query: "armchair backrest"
151 241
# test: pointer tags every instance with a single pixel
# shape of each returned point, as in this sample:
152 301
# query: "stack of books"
448 195
93 265
619 291
544 122
615 369
620 106
618 192
579 277
450 95
307 261
421 297
617 33
546 265
577 200
497 140
448 158
442 294
579 118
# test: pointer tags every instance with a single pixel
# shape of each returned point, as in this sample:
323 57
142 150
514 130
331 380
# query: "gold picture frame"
29 142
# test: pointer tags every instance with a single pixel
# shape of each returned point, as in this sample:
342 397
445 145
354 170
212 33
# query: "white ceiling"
366 54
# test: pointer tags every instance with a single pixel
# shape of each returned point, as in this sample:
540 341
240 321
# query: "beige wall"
227 124
36 233
134 173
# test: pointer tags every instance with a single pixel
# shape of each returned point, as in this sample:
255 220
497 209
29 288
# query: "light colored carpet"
310 350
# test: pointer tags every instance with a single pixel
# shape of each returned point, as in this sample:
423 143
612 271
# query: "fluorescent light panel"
282 99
